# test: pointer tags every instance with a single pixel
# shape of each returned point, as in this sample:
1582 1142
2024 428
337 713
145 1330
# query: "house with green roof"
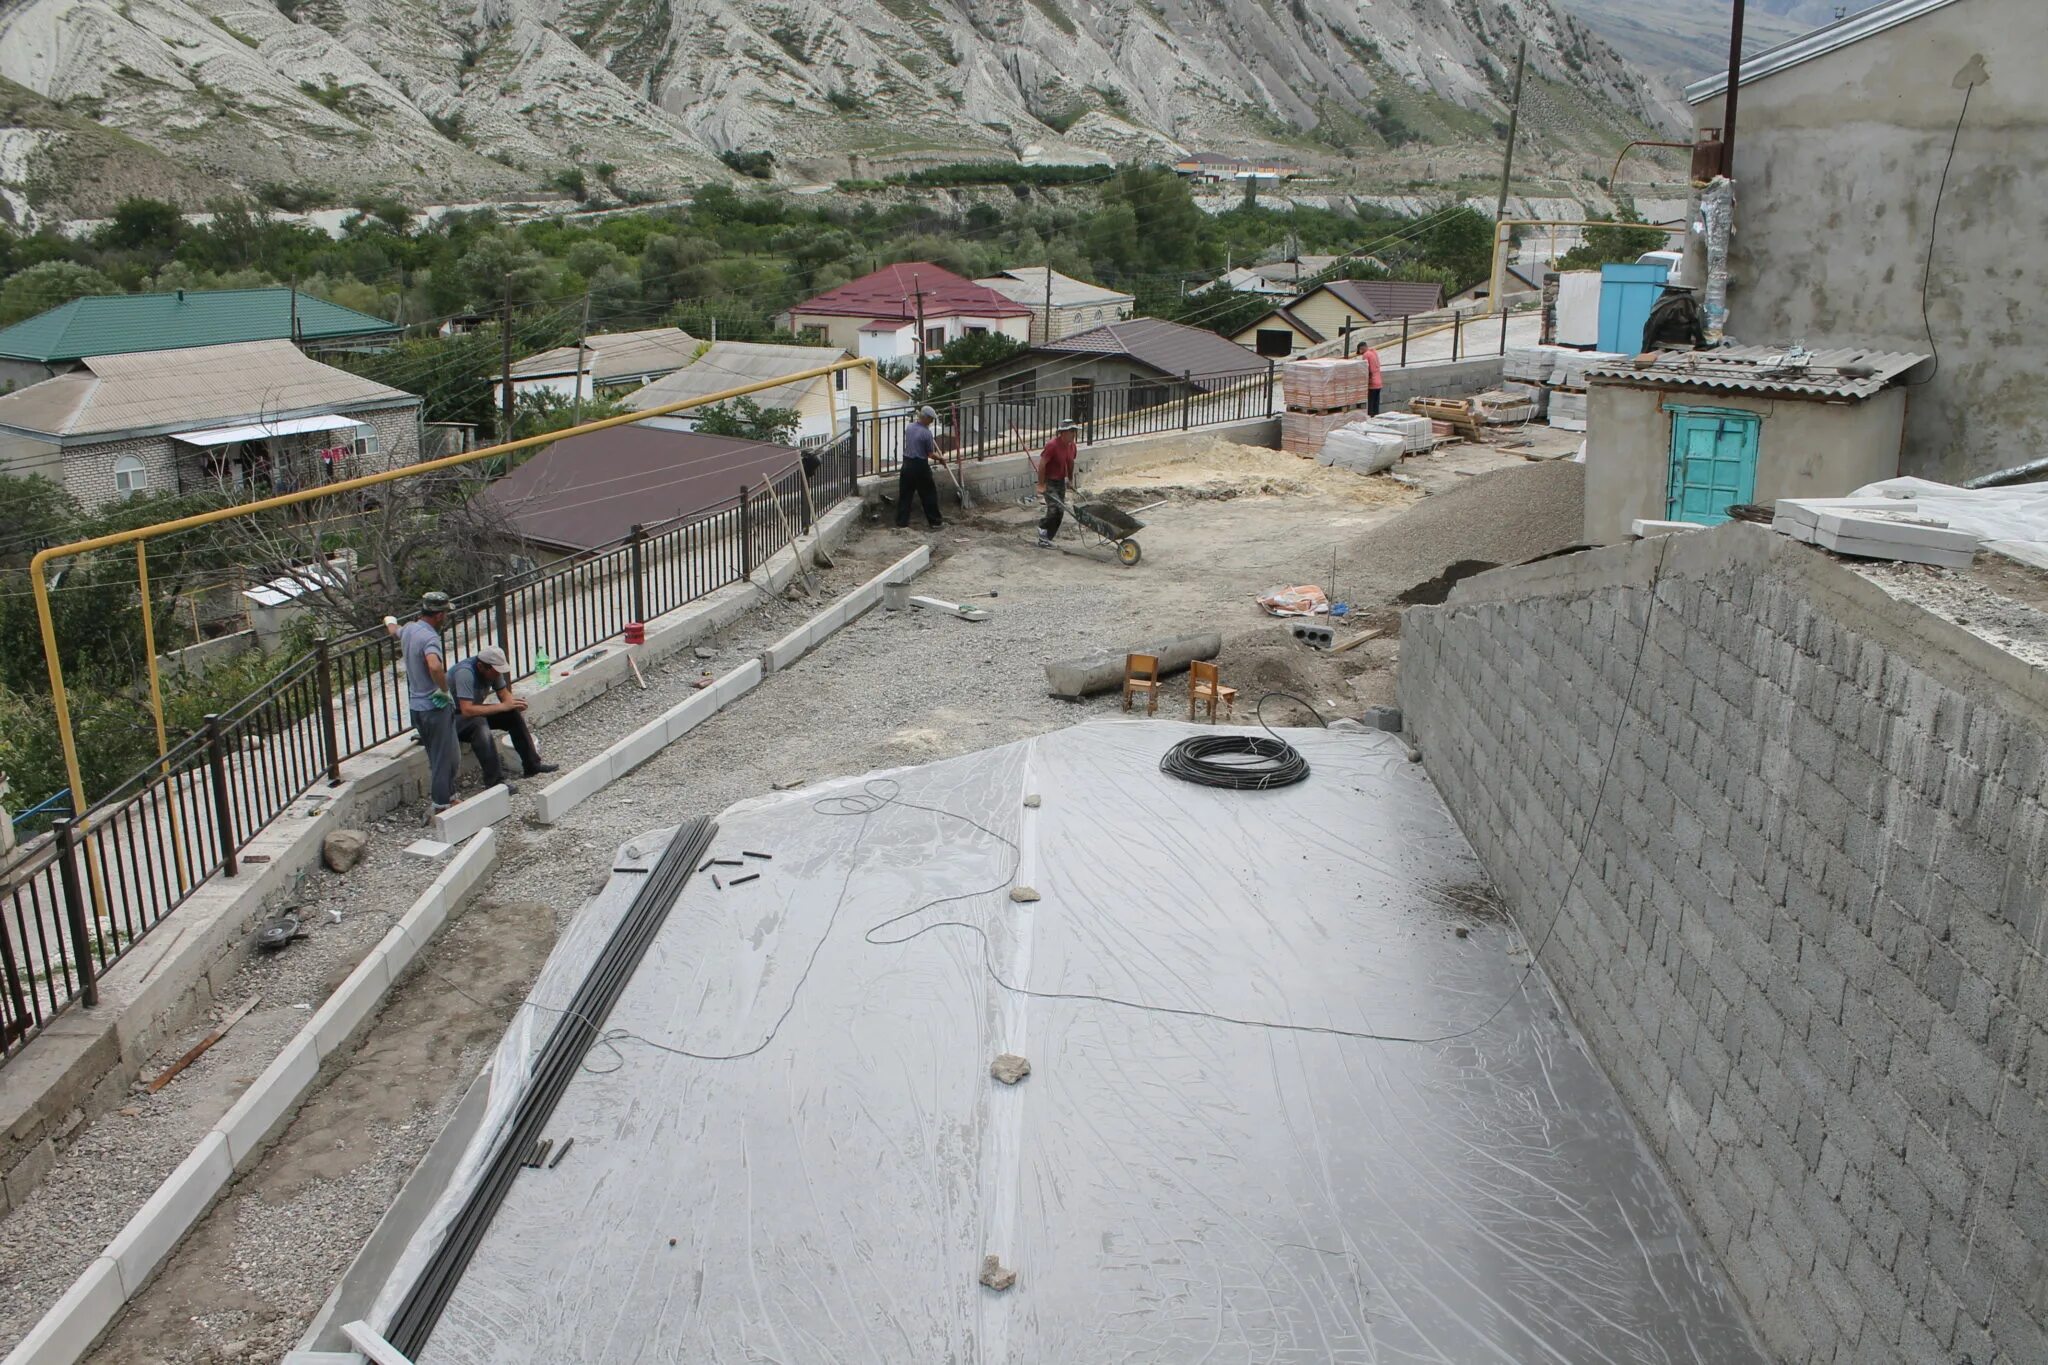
58 341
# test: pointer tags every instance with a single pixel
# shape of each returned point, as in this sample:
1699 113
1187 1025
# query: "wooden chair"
1141 674
1205 686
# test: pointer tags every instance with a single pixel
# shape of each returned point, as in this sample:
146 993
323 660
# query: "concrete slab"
161 1222
74 1322
454 825
353 1001
428 850
270 1098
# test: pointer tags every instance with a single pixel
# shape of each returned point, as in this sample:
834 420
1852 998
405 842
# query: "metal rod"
323 673
1507 160
223 811
74 912
1734 88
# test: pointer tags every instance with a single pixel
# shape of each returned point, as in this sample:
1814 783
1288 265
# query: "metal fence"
78 897
992 423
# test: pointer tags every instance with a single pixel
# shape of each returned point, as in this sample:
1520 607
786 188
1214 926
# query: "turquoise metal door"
1713 462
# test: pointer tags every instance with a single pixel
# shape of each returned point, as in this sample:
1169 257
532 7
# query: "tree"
143 225
540 411
1223 311
43 287
745 418
1460 241
961 357
1613 245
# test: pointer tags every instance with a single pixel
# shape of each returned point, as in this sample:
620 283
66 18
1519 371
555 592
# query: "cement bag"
1361 449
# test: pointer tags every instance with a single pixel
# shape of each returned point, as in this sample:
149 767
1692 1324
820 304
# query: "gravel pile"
1505 517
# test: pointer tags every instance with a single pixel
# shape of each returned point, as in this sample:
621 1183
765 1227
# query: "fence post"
746 537
981 426
853 438
1404 340
323 673
1457 333
223 810
74 911
1503 331
501 618
636 538
1271 368
1187 391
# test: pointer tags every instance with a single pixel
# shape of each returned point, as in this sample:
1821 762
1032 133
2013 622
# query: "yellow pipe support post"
875 414
156 696
38 566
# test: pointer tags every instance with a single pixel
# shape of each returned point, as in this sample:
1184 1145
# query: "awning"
256 431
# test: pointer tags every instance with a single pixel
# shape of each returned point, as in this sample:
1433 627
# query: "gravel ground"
1997 599
892 689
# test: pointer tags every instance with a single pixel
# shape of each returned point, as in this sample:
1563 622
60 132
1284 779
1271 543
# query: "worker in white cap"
426 691
914 479
485 704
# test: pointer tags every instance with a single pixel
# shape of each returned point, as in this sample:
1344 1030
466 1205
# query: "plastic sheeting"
1206 1162
2012 521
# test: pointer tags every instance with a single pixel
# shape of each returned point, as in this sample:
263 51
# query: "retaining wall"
1806 936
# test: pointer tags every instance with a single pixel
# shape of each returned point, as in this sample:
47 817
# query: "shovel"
959 488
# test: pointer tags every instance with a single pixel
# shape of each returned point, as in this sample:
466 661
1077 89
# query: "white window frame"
131 475
367 445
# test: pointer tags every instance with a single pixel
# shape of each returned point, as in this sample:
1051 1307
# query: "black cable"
1242 763
1934 235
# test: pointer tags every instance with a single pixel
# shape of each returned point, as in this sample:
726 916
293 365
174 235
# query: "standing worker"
919 445
1055 469
484 705
426 692
1373 379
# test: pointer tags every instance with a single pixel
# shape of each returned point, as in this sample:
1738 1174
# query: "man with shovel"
915 477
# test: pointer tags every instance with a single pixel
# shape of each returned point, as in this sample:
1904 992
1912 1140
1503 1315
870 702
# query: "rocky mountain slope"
1687 39
439 100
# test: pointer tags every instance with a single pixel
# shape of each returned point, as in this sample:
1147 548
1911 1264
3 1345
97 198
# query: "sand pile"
1504 517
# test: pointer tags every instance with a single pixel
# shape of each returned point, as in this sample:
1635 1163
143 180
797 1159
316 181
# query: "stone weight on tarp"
342 849
1077 678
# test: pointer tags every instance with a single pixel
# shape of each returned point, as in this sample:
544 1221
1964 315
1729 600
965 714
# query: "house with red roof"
880 315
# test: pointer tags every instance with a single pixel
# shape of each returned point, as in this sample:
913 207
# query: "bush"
745 418
758 165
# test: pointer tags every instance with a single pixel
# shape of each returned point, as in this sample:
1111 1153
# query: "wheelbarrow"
1111 526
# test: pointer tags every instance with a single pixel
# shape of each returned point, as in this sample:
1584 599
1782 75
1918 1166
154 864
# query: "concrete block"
74 1322
571 790
454 825
272 1096
158 1225
398 949
428 850
353 1001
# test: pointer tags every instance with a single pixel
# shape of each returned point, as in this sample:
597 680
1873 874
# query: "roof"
1287 316
1247 279
1026 285
1760 369
729 364
892 292
1376 299
591 490
615 355
162 391
124 324
1171 348
1818 43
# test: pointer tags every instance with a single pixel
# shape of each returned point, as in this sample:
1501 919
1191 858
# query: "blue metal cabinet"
1627 293
1713 462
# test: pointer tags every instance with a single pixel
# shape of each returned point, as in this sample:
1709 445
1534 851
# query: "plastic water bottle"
543 667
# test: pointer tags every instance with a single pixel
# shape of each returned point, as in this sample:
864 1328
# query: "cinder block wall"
1806 940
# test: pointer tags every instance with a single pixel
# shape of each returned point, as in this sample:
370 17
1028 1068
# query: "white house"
606 363
824 403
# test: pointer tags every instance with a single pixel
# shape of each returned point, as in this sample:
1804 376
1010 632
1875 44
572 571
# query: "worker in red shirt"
1055 468
1373 378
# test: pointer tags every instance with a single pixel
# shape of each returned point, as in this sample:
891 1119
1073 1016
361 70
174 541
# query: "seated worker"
475 683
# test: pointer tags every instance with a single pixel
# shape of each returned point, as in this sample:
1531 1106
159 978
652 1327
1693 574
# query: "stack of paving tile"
1303 433
1529 364
1571 367
1497 407
1363 447
1567 410
1537 394
1324 385
1875 528
1417 433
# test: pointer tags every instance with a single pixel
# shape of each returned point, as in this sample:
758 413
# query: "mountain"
1684 40
440 100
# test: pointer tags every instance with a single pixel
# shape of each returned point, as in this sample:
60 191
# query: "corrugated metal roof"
124 324
203 385
1026 285
615 355
893 292
1168 347
1763 369
1821 41
729 364
1378 299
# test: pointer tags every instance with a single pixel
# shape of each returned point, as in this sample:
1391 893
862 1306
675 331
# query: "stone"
995 1274
428 850
1010 1068
1023 895
342 849
703 652
1031 802
1386 718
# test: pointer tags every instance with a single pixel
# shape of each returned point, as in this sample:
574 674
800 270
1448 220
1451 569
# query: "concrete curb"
847 609
587 779
67 1332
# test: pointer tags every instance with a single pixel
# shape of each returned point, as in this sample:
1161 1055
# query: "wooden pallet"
1456 413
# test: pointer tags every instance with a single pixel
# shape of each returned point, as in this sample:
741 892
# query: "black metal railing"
74 899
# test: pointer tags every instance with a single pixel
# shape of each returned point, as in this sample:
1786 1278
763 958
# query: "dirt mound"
1505 517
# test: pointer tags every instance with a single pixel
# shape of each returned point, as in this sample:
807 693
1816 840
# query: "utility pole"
582 342
505 330
1734 85
1046 339
295 308
923 385
1507 161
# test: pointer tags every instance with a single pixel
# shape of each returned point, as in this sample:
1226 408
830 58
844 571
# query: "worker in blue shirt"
485 704
915 477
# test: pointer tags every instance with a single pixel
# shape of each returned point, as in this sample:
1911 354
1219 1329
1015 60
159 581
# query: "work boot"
540 768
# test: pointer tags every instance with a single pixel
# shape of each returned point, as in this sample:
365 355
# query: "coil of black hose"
1235 762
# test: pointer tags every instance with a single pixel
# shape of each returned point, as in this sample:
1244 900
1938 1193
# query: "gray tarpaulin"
1205 1163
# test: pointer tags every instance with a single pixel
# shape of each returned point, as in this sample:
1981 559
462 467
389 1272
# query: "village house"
607 363
1112 370
824 404
259 416
1331 311
880 314
1060 304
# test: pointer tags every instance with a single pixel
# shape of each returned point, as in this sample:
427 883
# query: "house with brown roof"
1331 310
1109 370
251 417
880 314
607 363
824 404
1060 304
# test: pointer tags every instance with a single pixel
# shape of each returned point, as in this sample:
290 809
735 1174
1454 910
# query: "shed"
1691 433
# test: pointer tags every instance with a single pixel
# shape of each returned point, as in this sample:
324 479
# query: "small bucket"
636 633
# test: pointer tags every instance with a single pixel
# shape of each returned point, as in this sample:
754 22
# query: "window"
130 477
1275 341
934 338
839 380
974 331
366 441
1018 388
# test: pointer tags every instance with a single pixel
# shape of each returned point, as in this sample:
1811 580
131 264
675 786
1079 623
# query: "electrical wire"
1934 236
1241 762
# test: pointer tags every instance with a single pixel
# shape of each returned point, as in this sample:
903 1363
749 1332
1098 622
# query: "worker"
1055 469
915 477
484 703
426 694
1373 377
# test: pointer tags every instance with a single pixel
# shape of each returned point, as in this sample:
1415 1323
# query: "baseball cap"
928 412
431 602
493 658
1070 426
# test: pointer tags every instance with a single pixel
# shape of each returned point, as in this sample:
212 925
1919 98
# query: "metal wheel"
1128 552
